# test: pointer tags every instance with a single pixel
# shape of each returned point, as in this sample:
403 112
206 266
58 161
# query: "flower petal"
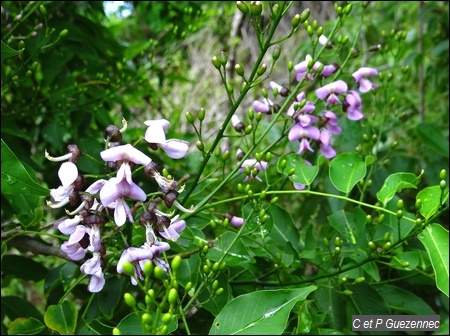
67 173
175 148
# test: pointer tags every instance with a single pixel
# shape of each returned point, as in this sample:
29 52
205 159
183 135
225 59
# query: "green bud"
63 33
263 195
201 114
296 21
418 204
326 242
264 218
283 164
240 187
251 114
347 292
206 269
146 318
344 278
173 296
442 184
225 155
305 15
216 62
268 156
166 318
359 280
209 263
219 291
223 58
275 9
200 146
43 10
176 263
29 73
21 44
386 236
319 31
128 268
215 267
188 286
339 10
371 245
276 52
34 66
310 31
148 268
215 284
242 6
369 219
337 241
159 273
274 200
290 66
258 116
399 214
418 221
248 129
239 70
256 8
344 40
291 172
337 250
200 244
189 117
347 9
319 70
261 69
250 194
387 246
405 264
116 331
129 300
380 218
261 213
443 174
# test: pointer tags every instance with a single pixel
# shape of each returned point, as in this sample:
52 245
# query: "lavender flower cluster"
107 201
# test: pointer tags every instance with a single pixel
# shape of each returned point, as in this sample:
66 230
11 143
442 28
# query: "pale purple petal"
155 134
121 212
365 85
175 148
261 107
110 191
299 186
92 265
125 153
237 221
68 226
74 252
158 123
67 173
96 282
96 186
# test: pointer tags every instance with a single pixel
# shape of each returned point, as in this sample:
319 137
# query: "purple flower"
156 135
301 69
325 148
93 267
303 134
113 194
264 107
67 226
139 256
353 106
331 90
175 227
76 246
331 122
67 173
253 163
299 186
360 75
237 221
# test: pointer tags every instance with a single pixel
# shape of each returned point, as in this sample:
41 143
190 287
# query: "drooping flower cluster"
313 128
107 200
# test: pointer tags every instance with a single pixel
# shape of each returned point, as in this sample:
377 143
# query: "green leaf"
401 300
365 300
284 229
8 52
430 198
25 326
236 256
433 138
349 225
435 240
15 178
395 183
259 313
332 303
62 318
346 170
131 324
23 268
304 172
15 307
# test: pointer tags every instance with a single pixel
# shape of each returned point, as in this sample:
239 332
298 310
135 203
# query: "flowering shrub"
290 218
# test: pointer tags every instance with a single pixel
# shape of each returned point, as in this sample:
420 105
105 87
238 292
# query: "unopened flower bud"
276 52
201 114
296 21
63 33
242 6
200 146
256 8
173 296
237 124
305 15
239 69
216 62
261 69
443 174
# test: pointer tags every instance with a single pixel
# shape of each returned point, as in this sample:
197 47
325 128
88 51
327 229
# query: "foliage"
268 192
